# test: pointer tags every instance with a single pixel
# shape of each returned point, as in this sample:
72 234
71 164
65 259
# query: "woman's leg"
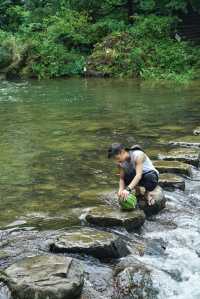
150 182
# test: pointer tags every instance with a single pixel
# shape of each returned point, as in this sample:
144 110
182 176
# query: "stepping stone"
46 277
171 182
187 155
173 167
135 281
196 131
159 204
107 217
187 141
90 241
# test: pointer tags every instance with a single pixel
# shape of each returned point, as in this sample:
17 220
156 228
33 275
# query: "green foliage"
53 60
57 45
133 38
146 50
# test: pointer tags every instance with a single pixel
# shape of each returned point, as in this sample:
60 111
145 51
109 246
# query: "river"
53 161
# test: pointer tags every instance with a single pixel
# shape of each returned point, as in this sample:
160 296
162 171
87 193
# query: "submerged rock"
90 241
173 167
153 247
135 282
159 204
170 182
107 217
45 277
187 141
196 131
187 155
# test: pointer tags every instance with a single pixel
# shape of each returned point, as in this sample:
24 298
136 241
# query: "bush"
58 45
147 50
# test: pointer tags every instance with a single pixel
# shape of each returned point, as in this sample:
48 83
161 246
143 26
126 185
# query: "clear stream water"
54 137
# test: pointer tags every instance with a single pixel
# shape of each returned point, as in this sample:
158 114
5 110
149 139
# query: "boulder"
196 131
108 216
45 277
171 182
187 155
159 204
173 167
187 141
90 241
135 282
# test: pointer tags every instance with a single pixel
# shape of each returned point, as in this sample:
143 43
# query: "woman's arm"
139 168
121 180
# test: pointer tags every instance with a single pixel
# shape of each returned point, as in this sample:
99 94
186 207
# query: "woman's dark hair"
116 149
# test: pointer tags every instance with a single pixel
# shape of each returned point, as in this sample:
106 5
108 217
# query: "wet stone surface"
134 281
187 141
187 155
90 241
173 167
45 277
106 216
171 182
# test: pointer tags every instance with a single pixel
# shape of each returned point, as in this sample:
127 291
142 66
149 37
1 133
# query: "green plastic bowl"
129 203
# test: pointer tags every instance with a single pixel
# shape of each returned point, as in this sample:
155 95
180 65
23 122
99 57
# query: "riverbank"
148 49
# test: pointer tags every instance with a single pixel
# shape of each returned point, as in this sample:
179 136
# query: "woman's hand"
123 194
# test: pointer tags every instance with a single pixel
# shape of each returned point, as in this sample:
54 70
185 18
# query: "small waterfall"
4 292
177 273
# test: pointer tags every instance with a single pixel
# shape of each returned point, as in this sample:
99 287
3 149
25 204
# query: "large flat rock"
173 167
90 241
186 155
107 217
45 277
187 141
171 182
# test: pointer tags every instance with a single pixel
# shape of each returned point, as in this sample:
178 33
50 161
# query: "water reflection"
54 137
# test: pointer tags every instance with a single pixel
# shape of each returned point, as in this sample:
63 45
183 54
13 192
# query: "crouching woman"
136 169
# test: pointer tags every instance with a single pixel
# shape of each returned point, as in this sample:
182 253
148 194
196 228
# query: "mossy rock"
106 216
171 182
173 167
45 277
187 155
90 241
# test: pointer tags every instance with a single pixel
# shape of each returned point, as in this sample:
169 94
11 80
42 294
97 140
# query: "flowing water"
54 137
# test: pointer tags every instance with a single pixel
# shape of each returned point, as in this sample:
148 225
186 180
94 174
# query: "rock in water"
187 141
173 167
170 182
107 217
187 155
196 131
91 241
159 204
45 277
135 282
